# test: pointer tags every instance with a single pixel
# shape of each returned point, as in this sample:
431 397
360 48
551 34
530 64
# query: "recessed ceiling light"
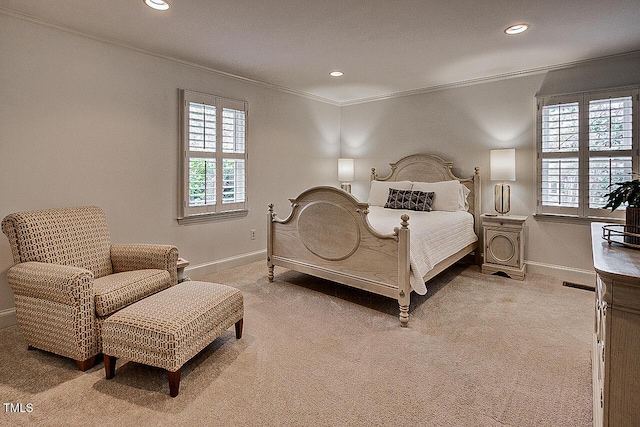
336 73
516 29
157 4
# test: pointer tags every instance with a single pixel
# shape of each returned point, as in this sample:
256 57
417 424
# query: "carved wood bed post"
270 216
477 211
404 274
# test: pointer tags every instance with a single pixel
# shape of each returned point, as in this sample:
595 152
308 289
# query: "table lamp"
503 168
346 172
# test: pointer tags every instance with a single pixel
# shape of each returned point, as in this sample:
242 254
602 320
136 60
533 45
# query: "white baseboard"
201 270
8 317
568 274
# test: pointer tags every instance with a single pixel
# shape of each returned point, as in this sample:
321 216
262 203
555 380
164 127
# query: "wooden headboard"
429 168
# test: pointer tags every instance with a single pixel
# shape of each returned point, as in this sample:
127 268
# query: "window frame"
584 154
219 209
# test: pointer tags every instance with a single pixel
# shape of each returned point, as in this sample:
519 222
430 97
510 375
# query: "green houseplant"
627 192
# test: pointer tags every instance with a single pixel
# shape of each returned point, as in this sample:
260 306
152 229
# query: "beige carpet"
479 351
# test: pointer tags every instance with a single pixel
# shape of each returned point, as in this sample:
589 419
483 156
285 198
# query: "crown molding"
28 18
497 77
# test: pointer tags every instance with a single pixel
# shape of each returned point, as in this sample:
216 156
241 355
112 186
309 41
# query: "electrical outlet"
252 234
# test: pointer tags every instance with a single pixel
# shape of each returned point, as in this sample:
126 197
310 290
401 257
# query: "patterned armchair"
68 277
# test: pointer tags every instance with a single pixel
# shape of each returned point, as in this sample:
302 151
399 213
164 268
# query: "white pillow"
465 194
379 192
450 195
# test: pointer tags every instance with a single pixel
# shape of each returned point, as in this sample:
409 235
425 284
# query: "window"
215 156
586 143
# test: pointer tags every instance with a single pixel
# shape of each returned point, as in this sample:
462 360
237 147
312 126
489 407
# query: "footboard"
328 235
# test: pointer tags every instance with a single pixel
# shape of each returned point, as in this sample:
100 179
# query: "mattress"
435 236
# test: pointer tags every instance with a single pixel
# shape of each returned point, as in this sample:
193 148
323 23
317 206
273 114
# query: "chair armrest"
129 257
53 282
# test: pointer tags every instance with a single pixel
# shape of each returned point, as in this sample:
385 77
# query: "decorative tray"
621 234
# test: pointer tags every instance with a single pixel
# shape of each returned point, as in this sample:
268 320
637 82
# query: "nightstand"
504 245
182 264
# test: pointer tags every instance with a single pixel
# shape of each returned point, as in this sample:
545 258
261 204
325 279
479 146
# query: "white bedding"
435 236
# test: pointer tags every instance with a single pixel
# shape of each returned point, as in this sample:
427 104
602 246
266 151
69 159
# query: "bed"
332 235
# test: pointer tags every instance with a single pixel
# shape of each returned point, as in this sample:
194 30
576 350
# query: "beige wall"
85 122
462 124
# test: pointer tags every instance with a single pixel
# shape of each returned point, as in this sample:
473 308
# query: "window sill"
575 219
212 216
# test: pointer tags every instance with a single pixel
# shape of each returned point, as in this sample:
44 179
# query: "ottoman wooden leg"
239 329
174 382
110 366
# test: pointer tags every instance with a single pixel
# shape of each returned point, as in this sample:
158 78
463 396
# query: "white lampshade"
503 165
346 170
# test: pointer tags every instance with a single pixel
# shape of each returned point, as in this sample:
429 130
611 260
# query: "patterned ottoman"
169 328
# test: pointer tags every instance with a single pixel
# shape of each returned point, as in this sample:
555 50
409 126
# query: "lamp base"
502 198
346 187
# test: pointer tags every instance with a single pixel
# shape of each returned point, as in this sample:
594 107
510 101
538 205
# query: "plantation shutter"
610 123
586 144
201 154
233 155
214 147
558 156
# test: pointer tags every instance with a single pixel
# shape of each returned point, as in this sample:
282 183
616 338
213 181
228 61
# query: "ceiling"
384 47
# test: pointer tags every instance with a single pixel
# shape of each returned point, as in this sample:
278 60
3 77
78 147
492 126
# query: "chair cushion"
118 290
